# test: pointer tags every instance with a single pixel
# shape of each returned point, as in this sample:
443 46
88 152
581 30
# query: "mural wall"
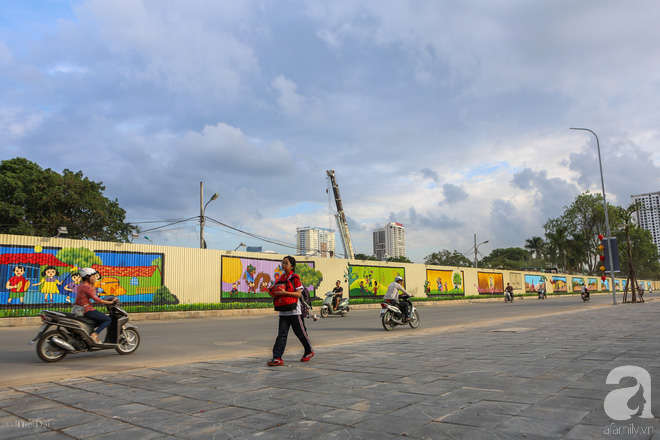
443 282
250 278
370 281
41 271
49 275
533 283
577 283
490 283
559 284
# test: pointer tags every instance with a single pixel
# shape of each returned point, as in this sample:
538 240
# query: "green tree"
34 201
574 235
447 258
398 260
536 247
309 276
506 258
79 257
365 257
163 296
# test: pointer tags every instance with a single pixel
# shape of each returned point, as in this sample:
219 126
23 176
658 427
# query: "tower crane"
341 218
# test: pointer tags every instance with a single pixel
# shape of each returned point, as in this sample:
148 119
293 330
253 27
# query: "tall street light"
202 209
476 247
607 222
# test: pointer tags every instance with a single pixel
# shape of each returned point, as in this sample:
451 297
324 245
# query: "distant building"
390 241
315 241
649 216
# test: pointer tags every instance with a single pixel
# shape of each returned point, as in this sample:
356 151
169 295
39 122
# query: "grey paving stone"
531 426
132 433
227 413
392 425
96 427
439 431
477 417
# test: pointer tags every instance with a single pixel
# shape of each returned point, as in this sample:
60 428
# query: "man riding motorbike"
392 296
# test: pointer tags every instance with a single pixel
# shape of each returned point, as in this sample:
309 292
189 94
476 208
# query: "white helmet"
398 278
86 272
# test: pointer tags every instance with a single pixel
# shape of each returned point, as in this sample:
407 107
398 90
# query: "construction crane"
341 218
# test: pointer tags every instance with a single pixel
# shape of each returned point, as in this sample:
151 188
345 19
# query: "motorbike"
67 333
391 315
507 297
585 297
326 307
542 294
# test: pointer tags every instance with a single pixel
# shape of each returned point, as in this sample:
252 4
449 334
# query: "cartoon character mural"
592 284
17 285
50 275
447 282
250 278
370 281
490 283
559 284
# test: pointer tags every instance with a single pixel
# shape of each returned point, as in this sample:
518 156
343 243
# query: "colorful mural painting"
44 275
617 285
559 284
490 283
535 282
443 282
592 284
250 278
577 284
370 281
605 285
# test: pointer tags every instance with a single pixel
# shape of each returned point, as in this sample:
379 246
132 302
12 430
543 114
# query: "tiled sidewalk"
533 379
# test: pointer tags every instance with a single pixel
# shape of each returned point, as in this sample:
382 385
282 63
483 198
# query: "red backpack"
284 303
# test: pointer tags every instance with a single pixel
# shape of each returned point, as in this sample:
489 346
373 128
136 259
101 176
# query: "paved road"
174 342
535 378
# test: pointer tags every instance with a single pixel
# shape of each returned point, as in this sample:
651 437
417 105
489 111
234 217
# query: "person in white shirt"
392 295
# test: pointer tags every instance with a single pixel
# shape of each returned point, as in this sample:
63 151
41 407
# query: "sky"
449 117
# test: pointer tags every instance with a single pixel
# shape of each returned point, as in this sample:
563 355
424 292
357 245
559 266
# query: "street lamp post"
607 222
202 209
476 247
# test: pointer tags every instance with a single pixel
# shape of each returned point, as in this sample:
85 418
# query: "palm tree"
535 246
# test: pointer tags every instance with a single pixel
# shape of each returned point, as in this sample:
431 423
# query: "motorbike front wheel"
324 312
414 321
129 340
47 351
388 324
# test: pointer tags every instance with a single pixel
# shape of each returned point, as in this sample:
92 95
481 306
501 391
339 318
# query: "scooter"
542 294
326 307
585 297
391 315
67 333
507 297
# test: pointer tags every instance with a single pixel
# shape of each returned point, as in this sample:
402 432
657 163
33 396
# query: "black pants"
298 324
335 301
403 306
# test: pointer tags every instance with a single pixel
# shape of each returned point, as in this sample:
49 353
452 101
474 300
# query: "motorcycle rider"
86 291
509 288
585 291
338 291
392 296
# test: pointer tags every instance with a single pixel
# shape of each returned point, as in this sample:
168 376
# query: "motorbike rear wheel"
324 312
47 351
129 340
414 321
386 319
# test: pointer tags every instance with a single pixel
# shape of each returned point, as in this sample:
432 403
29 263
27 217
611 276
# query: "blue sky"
449 117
